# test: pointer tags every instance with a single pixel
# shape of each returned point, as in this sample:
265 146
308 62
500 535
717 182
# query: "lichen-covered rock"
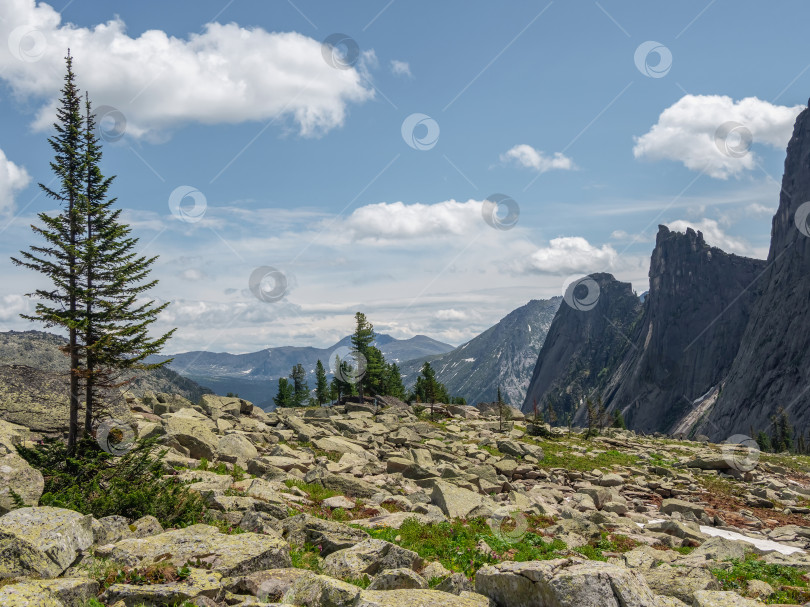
42 541
18 476
398 579
25 594
146 526
268 585
456 502
111 529
236 449
708 598
71 592
321 591
680 582
330 536
217 406
563 583
418 598
199 583
193 431
228 555
368 558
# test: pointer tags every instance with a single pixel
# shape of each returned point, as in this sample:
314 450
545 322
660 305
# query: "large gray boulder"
204 546
331 536
418 598
368 558
17 476
321 591
193 431
236 449
42 541
457 502
563 583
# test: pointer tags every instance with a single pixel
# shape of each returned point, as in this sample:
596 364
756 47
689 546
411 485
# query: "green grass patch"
308 557
595 550
562 455
789 583
316 493
454 544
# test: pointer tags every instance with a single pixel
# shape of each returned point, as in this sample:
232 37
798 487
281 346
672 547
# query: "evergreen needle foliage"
88 254
94 482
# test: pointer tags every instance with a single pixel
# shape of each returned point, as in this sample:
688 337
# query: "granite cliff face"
691 329
772 368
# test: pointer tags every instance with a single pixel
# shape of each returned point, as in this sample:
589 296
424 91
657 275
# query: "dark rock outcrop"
772 368
694 317
659 361
583 345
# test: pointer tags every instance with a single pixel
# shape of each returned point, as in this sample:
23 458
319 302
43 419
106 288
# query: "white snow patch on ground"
762 544
469 360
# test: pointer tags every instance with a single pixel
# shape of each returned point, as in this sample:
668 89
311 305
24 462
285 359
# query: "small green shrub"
789 583
94 482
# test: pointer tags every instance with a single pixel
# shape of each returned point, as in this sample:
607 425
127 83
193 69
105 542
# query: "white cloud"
397 220
627 237
530 158
713 234
226 74
401 68
687 132
13 178
12 305
571 254
452 314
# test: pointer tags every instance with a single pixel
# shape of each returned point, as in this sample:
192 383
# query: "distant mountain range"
504 355
254 376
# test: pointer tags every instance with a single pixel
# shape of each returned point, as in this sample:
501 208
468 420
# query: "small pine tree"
618 420
286 395
763 441
551 414
321 384
593 417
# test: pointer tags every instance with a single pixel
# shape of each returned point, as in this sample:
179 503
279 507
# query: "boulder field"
365 506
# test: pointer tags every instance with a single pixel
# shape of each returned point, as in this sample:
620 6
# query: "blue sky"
600 120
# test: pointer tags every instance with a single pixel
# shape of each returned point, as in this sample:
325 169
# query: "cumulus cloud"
13 178
452 314
12 305
687 132
397 220
713 234
226 74
526 156
401 68
569 255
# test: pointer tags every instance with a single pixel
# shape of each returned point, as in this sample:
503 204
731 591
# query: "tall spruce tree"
321 384
362 339
89 257
116 323
300 388
58 258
